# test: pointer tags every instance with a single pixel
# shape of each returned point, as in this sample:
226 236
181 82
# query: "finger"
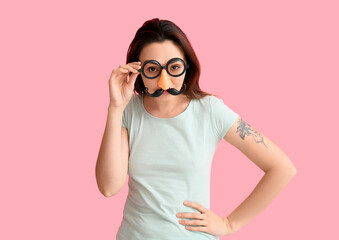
194 222
129 68
135 66
193 215
198 229
135 63
123 70
132 79
196 206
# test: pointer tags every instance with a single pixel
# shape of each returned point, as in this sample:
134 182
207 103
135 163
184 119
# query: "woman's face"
162 52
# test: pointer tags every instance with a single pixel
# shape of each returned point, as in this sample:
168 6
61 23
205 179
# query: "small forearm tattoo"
245 129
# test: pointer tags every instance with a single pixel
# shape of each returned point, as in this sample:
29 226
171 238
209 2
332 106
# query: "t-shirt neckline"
180 115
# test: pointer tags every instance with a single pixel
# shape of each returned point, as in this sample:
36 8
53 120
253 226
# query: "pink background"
274 63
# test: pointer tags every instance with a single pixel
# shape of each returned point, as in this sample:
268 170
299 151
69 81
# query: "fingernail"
185 202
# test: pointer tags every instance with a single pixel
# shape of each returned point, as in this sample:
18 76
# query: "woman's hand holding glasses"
121 84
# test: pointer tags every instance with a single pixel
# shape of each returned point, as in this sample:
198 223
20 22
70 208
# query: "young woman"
162 130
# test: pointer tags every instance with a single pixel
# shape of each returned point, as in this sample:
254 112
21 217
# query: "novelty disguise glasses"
174 67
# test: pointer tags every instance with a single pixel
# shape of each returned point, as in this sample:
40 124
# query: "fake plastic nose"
164 81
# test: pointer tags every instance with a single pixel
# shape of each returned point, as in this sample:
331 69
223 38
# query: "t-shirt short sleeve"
222 117
127 114
124 121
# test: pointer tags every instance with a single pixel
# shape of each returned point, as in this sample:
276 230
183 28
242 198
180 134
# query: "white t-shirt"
170 162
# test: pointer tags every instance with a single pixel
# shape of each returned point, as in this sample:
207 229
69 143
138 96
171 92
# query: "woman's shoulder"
215 100
208 100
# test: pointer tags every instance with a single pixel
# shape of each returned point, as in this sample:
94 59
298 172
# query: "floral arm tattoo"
246 129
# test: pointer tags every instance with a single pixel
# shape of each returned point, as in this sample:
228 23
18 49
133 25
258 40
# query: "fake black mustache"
171 91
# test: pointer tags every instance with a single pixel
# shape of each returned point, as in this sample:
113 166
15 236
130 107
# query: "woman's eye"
152 68
175 67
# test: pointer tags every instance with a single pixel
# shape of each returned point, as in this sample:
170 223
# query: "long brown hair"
156 30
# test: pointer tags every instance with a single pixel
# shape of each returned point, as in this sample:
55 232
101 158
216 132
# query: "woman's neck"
165 104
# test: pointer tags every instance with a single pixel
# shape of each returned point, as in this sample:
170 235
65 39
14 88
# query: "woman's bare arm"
278 168
111 166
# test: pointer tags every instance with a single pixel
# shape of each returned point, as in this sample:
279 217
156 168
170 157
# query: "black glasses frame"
186 66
